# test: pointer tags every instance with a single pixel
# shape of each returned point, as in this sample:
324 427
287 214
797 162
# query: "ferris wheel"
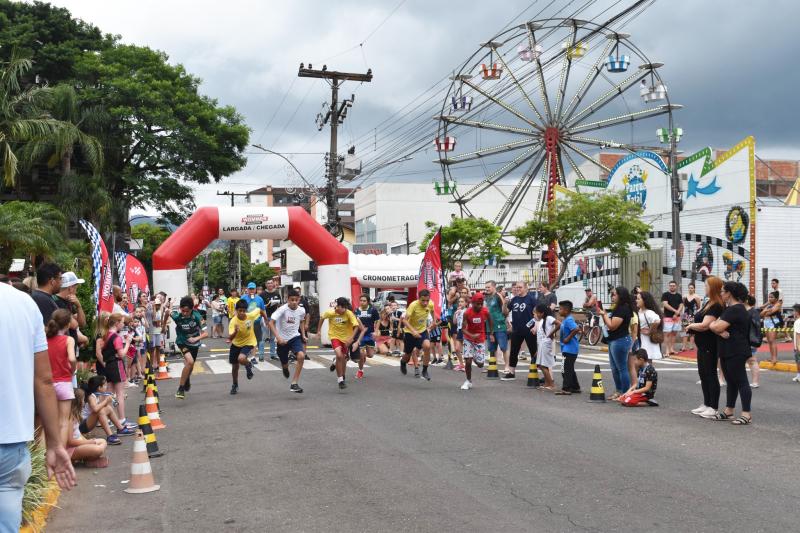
542 100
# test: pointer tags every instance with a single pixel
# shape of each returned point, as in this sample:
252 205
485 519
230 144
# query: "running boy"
343 329
288 326
644 391
569 349
368 316
415 322
189 331
242 337
473 328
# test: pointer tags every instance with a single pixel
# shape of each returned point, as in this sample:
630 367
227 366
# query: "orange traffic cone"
151 406
162 368
141 474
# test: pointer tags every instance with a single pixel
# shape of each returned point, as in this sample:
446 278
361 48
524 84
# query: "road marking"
175 369
384 361
265 366
310 364
218 350
218 366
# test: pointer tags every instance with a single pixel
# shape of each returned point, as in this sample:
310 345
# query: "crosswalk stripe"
310 364
265 366
218 366
175 369
381 360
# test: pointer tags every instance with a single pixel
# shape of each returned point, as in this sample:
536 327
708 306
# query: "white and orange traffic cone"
141 474
151 406
163 373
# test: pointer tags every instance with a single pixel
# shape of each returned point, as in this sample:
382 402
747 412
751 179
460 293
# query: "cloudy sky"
730 63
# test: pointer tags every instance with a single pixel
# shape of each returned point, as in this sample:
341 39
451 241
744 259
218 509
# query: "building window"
401 248
345 213
366 231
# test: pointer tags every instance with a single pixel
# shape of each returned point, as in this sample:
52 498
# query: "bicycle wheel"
594 335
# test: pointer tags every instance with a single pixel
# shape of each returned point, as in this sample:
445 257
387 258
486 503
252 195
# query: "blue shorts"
217 319
771 322
410 342
294 345
233 353
500 339
368 340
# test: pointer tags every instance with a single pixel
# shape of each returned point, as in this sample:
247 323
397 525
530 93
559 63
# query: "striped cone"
598 394
491 372
533 375
149 436
141 474
162 368
151 406
154 386
147 373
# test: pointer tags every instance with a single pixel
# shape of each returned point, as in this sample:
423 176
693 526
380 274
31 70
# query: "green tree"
152 237
29 228
218 273
583 222
165 135
260 273
474 239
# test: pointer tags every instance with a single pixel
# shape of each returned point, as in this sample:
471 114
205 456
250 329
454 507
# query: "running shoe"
359 374
254 361
342 385
333 366
260 358
425 375
292 358
466 385
508 376
285 372
796 379
249 369
754 385
294 387
273 357
416 371
128 424
180 394
113 440
125 432
403 368
699 409
234 388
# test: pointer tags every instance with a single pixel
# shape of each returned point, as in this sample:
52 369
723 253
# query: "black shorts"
191 350
397 334
294 345
410 342
83 428
233 354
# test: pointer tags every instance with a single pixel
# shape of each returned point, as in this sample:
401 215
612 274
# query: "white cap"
68 279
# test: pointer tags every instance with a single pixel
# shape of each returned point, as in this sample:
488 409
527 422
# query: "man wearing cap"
254 301
67 298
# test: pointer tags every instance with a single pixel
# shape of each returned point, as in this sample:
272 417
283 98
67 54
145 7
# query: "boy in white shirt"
287 324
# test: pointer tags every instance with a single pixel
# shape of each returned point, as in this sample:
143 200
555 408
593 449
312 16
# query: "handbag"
656 332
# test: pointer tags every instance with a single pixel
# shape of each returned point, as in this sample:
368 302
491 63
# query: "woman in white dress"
649 318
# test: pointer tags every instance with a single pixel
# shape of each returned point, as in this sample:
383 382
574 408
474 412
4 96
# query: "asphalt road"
394 453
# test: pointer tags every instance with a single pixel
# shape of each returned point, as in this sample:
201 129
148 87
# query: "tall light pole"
677 201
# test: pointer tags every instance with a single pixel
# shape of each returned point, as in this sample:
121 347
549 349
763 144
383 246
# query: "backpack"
754 334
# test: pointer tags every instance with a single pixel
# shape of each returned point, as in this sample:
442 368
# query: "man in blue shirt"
521 309
569 348
254 302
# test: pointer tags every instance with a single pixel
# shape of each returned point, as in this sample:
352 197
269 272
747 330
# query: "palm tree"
30 228
21 117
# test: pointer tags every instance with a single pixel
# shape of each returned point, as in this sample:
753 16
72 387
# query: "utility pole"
335 115
408 241
677 201
233 249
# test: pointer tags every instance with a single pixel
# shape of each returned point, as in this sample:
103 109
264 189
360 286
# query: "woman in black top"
691 303
733 327
618 322
707 347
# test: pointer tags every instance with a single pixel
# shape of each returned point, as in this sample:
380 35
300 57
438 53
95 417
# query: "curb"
780 366
40 514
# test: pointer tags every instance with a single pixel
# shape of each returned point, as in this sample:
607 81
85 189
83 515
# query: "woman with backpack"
733 328
708 347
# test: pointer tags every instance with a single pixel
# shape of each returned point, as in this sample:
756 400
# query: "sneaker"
180 394
128 424
249 369
425 375
416 371
113 440
698 382
292 358
260 358
332 367
754 385
254 361
403 368
508 376
285 372
272 357
699 409
466 385
342 385
294 387
796 379
710 412
359 374
234 388
125 432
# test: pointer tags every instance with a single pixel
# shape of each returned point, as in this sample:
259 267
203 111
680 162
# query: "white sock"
340 379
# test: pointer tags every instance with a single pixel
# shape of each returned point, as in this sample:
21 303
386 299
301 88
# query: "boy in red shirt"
474 326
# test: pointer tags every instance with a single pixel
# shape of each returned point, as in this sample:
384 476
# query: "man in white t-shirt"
288 326
27 385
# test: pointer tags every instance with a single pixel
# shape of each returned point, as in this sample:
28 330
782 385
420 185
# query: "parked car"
382 298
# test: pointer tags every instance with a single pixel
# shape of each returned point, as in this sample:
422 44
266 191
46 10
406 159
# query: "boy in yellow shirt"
243 341
415 322
343 328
